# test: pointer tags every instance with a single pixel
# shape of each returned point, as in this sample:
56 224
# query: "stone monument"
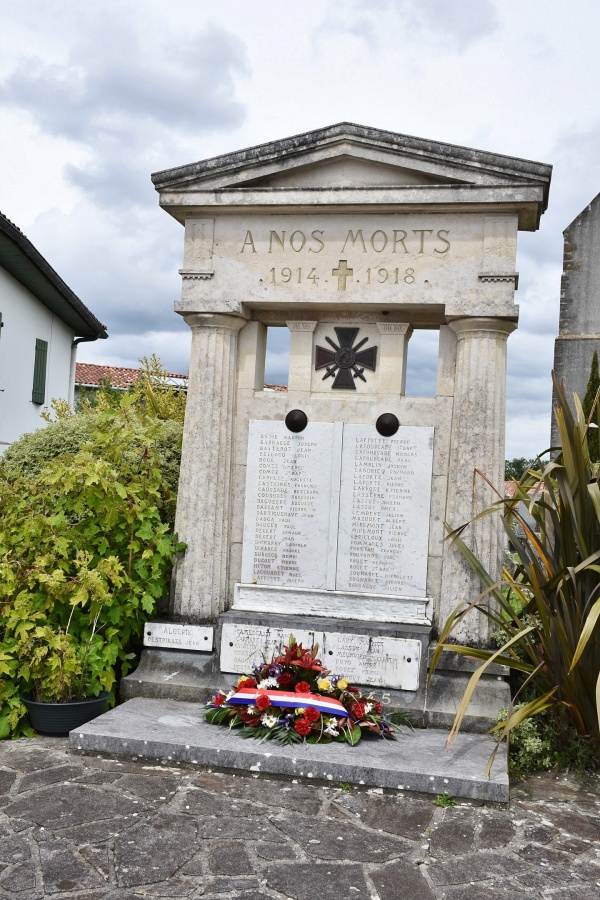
322 510
579 327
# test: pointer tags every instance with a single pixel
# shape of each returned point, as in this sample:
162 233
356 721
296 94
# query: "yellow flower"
324 684
342 684
241 678
300 712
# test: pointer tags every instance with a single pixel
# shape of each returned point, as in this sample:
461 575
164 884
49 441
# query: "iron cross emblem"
345 363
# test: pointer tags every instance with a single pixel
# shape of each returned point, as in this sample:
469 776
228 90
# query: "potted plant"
64 694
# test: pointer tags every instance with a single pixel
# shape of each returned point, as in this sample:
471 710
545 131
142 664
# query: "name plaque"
173 636
362 659
338 508
292 495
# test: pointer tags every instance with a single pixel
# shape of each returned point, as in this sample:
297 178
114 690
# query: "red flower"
247 683
358 710
378 707
302 726
218 699
262 701
285 679
312 715
303 687
353 690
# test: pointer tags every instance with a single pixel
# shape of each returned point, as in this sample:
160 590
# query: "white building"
41 323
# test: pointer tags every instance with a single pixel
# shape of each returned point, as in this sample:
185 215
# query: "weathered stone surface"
227 827
155 789
480 866
20 877
97 857
271 793
154 850
396 815
327 882
221 885
580 826
273 852
6 781
228 858
54 775
31 758
14 849
404 875
62 870
171 888
496 831
70 804
455 833
203 803
339 840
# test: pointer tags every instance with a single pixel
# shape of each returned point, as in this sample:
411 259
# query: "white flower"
253 710
229 695
268 683
268 720
368 707
330 728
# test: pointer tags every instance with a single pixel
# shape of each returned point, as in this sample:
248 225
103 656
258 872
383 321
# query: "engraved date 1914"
287 275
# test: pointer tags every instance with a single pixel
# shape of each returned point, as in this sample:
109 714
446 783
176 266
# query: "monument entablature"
327 503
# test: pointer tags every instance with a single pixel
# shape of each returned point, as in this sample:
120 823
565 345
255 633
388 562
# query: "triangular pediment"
347 155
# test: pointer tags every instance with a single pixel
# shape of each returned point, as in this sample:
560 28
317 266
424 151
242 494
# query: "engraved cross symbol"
342 272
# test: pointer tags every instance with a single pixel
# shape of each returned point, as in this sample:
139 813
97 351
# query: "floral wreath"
295 698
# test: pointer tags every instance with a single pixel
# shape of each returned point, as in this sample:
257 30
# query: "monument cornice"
524 200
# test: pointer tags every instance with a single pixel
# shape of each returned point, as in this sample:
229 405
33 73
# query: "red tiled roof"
90 375
511 486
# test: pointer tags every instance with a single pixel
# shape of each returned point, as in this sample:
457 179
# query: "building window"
38 395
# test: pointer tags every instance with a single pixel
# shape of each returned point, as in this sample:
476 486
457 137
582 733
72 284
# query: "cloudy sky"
96 96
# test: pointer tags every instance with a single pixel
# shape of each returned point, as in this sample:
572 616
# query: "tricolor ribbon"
292 699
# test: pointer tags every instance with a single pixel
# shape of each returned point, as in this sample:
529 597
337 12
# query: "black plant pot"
58 719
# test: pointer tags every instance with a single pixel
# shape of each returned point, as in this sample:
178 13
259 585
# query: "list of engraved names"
384 511
288 505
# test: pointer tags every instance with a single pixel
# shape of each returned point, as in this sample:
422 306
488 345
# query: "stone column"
392 358
476 442
199 588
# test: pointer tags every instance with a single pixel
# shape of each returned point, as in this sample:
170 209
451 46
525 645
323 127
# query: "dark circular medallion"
345 357
387 424
296 420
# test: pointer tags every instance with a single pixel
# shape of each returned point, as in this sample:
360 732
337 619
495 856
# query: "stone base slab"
417 761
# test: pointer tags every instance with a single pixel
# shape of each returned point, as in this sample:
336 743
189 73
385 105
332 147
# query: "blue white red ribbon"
292 699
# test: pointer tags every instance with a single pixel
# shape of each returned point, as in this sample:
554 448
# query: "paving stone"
98 858
554 861
273 852
227 827
539 834
588 870
6 781
20 877
396 815
571 845
97 777
228 858
479 866
203 803
44 777
323 881
63 870
30 759
496 831
96 832
170 888
14 850
194 866
299 797
224 885
404 874
155 850
158 788
70 804
485 892
340 840
455 833
574 824
581 892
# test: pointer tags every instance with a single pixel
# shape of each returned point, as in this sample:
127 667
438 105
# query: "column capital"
481 324
214 322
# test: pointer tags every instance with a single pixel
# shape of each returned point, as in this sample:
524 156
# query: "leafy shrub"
547 608
85 554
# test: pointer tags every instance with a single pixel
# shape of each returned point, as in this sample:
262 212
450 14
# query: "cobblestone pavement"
79 827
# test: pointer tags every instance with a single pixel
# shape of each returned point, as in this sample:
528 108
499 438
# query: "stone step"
418 761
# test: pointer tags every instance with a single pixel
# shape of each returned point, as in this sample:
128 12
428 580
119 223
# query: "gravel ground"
74 826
